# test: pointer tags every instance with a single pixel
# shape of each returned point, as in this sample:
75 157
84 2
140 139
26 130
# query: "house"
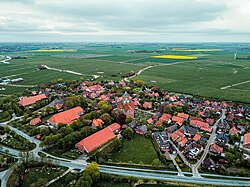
35 121
97 139
114 127
165 117
142 129
150 120
178 120
172 128
210 121
214 148
57 103
26 101
196 137
147 105
209 164
126 106
179 137
233 131
66 117
161 138
187 130
246 143
200 124
183 115
97 123
222 138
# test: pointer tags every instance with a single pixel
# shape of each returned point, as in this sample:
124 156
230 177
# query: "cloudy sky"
125 20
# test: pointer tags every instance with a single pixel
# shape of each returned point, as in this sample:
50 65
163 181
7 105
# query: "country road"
6 60
148 67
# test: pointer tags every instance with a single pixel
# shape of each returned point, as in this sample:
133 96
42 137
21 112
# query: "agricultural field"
205 69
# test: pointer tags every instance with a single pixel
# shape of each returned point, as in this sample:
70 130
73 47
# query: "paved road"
180 154
196 166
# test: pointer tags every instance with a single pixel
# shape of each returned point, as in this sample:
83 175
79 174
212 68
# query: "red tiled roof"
147 105
66 117
25 101
174 137
35 121
233 130
206 129
97 122
149 120
183 115
114 127
210 121
195 118
165 117
177 120
216 148
199 124
196 137
97 139
246 139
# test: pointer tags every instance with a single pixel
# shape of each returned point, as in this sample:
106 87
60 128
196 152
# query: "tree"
128 133
92 170
128 119
139 82
106 118
229 156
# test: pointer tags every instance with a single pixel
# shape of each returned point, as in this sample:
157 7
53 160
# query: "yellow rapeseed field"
176 57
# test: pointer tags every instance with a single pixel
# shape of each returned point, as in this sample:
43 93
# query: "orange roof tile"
196 137
35 121
25 101
114 127
246 139
97 139
165 117
97 122
66 117
183 115
177 120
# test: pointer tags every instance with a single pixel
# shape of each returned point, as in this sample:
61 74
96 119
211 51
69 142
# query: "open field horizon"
215 72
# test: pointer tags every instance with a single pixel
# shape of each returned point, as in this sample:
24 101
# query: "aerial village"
87 117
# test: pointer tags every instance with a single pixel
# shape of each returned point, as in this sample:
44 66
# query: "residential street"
196 166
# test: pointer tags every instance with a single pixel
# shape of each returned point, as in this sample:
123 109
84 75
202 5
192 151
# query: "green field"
205 76
135 150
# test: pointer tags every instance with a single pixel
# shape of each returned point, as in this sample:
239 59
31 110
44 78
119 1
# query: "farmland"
214 68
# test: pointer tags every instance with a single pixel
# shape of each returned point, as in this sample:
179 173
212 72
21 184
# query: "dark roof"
187 129
161 138
222 136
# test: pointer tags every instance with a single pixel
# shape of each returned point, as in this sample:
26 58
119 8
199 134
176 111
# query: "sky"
124 20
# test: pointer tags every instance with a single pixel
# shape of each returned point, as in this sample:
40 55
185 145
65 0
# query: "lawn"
140 149
70 154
